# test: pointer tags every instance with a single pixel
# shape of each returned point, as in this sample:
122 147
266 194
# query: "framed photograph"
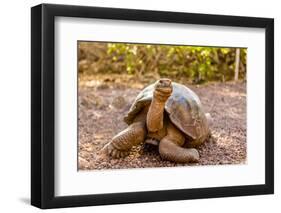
140 106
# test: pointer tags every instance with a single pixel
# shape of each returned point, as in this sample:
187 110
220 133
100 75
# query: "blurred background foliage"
143 61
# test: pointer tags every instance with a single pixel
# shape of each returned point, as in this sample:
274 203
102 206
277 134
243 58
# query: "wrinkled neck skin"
155 115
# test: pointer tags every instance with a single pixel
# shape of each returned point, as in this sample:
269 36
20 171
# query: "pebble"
119 102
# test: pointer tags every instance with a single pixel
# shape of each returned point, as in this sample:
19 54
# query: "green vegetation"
197 64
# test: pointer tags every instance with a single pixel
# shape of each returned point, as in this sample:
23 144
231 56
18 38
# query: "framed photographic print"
139 106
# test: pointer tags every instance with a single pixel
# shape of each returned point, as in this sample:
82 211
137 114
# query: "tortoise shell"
183 108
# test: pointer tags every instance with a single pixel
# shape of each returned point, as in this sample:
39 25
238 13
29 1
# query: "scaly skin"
170 147
121 144
155 115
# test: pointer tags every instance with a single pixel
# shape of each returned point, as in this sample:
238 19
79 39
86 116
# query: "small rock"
102 86
119 102
98 102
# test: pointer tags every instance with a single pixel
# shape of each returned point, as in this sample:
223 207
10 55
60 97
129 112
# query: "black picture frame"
43 102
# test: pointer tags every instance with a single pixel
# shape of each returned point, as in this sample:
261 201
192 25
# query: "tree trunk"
237 62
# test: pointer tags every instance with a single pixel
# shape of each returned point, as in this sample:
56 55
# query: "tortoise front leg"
120 144
170 147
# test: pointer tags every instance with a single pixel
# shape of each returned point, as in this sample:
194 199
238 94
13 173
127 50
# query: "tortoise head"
163 88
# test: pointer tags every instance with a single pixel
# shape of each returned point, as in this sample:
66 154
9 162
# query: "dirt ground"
103 103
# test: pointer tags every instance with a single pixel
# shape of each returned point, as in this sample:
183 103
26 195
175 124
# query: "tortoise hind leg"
170 147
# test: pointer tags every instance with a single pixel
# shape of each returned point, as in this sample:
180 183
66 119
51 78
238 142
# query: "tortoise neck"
155 115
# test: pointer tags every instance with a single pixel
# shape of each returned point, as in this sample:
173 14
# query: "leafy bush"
198 64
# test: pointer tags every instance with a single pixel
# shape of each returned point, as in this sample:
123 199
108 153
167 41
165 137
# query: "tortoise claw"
115 153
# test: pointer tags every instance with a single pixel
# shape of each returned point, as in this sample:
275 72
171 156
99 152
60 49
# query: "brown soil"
103 103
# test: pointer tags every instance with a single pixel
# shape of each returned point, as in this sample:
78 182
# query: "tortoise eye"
165 82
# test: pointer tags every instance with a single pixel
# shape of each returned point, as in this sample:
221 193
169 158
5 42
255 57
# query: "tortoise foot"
115 153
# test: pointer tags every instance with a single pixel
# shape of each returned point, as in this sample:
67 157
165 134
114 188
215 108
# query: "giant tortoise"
167 114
